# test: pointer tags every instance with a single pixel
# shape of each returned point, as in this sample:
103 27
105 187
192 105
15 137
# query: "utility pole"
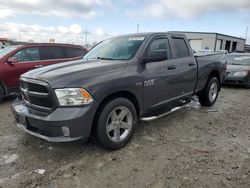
246 33
86 35
138 28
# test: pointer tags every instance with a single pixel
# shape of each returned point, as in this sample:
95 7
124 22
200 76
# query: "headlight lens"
240 73
73 96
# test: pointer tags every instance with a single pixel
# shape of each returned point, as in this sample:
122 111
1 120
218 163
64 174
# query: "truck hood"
62 74
236 68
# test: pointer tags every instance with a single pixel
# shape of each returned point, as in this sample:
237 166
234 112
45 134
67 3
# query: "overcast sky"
66 20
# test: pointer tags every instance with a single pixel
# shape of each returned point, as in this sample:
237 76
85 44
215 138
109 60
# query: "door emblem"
148 83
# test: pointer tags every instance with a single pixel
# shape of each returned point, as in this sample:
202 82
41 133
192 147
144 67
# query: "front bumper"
243 81
78 121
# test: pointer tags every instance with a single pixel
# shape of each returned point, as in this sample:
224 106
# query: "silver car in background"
238 69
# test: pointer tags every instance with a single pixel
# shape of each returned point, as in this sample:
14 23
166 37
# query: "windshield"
121 48
7 50
238 59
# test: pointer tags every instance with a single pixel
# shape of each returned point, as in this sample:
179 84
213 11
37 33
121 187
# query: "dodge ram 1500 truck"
120 81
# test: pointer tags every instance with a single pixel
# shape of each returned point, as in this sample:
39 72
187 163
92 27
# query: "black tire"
205 96
1 93
248 84
104 122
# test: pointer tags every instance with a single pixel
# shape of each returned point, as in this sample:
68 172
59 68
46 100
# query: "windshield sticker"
136 38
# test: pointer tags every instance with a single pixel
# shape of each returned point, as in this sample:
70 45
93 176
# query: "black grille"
37 94
45 102
34 87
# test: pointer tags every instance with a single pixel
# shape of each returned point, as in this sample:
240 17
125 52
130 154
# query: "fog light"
65 131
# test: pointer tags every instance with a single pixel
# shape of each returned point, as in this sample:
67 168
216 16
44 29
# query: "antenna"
138 28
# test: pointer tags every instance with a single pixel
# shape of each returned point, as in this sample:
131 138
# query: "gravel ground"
194 147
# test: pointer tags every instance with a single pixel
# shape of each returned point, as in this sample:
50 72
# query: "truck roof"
148 34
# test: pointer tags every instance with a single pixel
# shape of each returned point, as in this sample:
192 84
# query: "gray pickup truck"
120 81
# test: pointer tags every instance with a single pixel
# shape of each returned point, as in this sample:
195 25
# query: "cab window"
181 48
160 44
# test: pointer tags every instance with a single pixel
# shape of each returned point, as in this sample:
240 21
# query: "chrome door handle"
171 67
191 64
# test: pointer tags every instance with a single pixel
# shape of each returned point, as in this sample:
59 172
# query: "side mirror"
12 60
158 55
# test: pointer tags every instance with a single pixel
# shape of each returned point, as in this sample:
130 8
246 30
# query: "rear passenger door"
185 67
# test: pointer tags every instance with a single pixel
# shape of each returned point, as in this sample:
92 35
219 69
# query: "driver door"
158 75
26 59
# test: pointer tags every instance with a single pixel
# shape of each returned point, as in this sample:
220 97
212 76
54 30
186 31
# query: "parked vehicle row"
16 60
238 69
118 82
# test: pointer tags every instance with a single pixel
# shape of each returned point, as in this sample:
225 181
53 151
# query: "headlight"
73 96
241 73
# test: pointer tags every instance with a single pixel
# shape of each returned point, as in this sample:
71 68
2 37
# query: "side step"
162 115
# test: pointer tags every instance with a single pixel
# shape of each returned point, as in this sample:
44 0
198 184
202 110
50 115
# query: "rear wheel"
1 93
209 95
116 124
248 84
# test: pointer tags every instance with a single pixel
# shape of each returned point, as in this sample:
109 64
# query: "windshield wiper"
236 64
104 58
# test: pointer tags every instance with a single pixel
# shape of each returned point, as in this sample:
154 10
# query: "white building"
4 42
214 41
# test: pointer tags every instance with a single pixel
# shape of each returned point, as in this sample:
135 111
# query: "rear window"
51 53
180 47
73 52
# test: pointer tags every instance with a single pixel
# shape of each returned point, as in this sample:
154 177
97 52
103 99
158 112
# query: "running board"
151 118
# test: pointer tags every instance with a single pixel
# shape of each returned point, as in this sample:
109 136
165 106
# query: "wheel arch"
4 88
124 94
215 73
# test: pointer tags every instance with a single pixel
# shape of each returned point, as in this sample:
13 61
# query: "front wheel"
116 124
210 93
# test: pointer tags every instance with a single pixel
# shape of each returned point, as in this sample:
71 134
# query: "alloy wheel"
119 124
213 92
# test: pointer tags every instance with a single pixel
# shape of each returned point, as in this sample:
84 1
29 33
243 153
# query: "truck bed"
206 64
